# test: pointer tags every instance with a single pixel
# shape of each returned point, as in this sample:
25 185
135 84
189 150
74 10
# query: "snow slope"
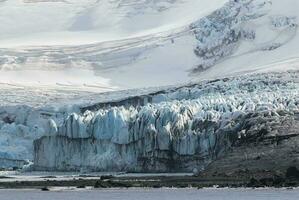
62 22
108 25
106 43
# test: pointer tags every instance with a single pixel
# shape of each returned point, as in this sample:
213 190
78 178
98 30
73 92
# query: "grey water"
153 194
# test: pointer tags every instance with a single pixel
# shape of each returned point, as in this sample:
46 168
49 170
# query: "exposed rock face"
272 149
219 34
179 130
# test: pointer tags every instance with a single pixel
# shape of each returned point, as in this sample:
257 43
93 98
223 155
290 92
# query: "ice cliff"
177 129
19 126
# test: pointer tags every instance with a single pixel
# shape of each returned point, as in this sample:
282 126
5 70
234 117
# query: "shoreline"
155 181
76 189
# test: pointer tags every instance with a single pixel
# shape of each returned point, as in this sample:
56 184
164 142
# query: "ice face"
178 130
19 127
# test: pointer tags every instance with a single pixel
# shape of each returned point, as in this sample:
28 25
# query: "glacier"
178 129
197 82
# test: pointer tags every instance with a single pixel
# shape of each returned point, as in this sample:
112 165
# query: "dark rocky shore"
289 179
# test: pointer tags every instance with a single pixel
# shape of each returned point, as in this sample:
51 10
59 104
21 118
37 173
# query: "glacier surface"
178 129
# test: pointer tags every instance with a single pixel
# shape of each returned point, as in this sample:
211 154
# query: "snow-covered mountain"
89 21
57 57
98 40
158 42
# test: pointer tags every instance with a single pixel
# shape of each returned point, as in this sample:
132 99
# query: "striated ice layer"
179 129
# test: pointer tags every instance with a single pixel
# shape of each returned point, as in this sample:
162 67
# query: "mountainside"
75 21
158 42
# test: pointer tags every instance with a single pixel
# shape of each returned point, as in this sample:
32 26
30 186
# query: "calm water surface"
153 194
